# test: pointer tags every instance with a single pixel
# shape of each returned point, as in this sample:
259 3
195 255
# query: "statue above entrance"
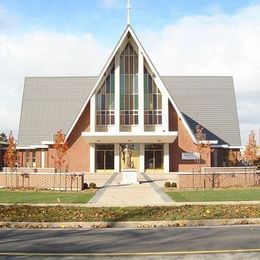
127 157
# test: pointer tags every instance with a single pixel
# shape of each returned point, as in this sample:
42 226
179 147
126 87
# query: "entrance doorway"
105 158
135 149
153 157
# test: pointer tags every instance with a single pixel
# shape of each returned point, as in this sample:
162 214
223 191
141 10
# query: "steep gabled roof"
209 101
50 104
159 83
53 103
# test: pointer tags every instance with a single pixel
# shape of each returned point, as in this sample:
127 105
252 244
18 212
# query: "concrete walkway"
147 193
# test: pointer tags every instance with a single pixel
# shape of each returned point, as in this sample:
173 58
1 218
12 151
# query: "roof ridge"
199 76
44 77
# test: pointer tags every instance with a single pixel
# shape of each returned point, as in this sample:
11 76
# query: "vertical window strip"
129 86
105 107
152 101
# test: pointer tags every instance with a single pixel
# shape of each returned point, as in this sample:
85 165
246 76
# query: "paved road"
109 241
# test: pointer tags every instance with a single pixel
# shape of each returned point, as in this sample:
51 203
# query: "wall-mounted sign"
190 156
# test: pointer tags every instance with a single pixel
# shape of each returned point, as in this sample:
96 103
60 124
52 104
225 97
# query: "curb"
129 224
168 204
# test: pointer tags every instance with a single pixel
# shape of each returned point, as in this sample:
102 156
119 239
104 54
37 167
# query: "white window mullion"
166 160
117 93
93 113
141 91
165 113
142 158
43 158
117 158
92 158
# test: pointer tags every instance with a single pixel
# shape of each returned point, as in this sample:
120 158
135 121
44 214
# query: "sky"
182 37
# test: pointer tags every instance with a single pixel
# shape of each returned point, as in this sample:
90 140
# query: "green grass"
7 196
215 195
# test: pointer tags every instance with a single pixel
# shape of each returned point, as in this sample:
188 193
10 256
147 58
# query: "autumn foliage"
202 144
61 148
10 156
249 155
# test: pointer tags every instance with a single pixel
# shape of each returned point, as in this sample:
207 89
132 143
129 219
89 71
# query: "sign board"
190 156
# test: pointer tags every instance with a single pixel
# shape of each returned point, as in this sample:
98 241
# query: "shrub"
92 185
174 185
167 184
85 186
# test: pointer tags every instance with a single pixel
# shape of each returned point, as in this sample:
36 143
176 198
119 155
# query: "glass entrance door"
105 158
154 157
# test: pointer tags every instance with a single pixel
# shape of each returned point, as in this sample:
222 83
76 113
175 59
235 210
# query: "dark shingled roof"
53 103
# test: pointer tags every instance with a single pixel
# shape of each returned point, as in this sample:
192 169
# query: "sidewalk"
115 194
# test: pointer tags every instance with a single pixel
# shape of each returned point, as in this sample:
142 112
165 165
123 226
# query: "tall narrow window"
105 157
105 113
129 86
34 159
153 156
27 158
152 101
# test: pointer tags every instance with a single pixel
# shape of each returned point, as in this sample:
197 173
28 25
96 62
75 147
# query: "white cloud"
215 45
195 45
110 4
42 54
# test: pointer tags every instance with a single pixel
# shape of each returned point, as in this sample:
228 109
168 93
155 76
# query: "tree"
249 155
10 156
202 144
61 148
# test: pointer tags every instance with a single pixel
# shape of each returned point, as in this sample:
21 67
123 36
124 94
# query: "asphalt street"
183 240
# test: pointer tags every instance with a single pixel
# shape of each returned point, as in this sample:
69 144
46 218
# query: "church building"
128 105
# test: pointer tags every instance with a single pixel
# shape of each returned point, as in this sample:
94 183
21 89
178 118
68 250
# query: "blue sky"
182 37
106 18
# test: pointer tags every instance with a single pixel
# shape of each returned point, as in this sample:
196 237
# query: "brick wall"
52 181
184 143
219 180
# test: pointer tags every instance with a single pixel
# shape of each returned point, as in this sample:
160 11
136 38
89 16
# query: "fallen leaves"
22 213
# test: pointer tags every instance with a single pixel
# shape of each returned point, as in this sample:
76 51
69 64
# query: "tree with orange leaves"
249 155
61 148
201 143
10 156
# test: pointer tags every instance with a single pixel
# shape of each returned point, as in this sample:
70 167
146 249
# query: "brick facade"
77 159
183 143
42 180
222 180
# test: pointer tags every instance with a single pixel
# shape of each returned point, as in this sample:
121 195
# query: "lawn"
215 195
7 196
